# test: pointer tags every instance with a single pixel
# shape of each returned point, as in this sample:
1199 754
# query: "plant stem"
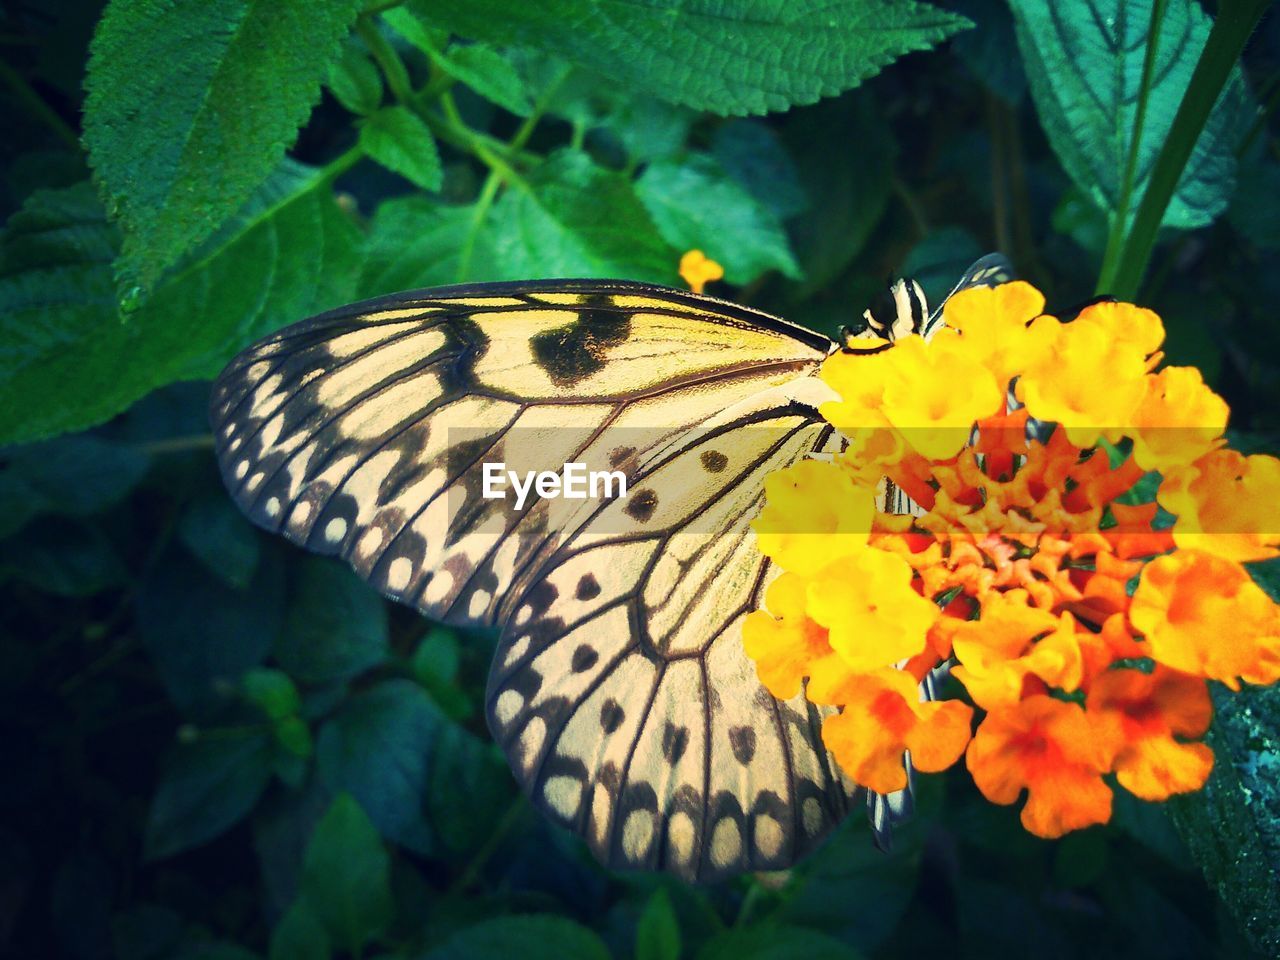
388 60
1236 21
1120 216
35 103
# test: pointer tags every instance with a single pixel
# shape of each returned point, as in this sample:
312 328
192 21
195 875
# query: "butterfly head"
897 311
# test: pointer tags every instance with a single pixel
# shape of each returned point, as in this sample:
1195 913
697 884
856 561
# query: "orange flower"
784 643
1152 709
1011 643
883 717
866 602
1022 542
1204 615
1226 505
813 515
1053 750
697 270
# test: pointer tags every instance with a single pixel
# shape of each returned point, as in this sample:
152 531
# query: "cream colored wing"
363 432
620 690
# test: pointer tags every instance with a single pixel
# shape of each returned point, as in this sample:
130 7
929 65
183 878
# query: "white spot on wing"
564 794
637 834
507 706
335 530
768 836
516 651
726 843
680 833
438 587
531 742
811 814
399 572
479 603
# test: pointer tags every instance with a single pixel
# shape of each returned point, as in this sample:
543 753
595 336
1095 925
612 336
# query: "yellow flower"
859 379
1178 421
1054 751
1135 330
813 515
883 717
992 323
936 392
1203 615
697 270
1090 380
1226 505
866 602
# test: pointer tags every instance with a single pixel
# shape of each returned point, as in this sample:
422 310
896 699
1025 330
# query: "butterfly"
619 689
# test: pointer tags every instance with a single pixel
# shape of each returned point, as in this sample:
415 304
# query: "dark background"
182 697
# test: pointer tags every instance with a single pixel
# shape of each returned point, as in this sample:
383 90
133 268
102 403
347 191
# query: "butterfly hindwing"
620 690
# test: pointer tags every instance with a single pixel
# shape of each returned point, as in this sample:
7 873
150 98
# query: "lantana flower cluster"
1075 554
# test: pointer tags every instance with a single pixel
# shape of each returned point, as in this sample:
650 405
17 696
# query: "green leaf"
421 778
1085 64
435 665
696 205
849 869
206 787
1232 826
573 218
398 139
986 49
528 937
747 57
848 190
336 626
753 154
300 934
272 692
1255 207
69 360
658 931
490 74
772 942
355 80
220 536
70 476
63 557
415 242
203 634
180 144
346 876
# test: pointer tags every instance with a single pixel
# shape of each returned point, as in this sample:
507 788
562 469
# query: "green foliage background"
217 747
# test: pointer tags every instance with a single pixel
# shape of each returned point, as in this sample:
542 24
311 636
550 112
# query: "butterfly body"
619 690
